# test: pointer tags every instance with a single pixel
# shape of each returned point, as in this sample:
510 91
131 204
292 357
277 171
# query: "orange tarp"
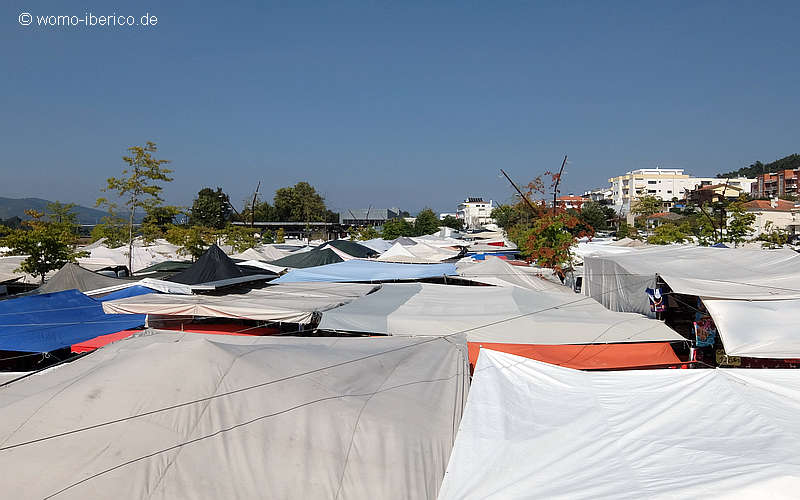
587 357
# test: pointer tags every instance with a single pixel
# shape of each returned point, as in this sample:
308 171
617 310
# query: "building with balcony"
475 212
773 185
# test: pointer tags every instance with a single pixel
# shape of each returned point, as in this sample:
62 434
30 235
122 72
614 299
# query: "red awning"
588 357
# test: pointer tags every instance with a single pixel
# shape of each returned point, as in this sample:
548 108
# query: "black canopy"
213 265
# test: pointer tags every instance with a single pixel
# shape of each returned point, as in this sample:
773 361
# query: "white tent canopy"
533 430
420 253
492 314
751 294
289 303
325 418
498 272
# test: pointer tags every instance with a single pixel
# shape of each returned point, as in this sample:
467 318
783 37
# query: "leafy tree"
790 162
646 206
364 233
193 240
740 223
453 222
426 223
261 211
596 215
549 241
773 237
158 220
506 216
280 236
395 228
667 233
210 209
113 229
138 186
240 237
62 216
627 231
300 203
47 245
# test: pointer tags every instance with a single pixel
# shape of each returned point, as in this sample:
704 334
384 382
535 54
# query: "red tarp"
217 329
588 357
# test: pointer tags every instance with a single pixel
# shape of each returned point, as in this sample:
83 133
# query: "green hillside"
787 163
15 207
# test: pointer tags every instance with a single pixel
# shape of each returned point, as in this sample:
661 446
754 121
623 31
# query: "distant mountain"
790 162
15 207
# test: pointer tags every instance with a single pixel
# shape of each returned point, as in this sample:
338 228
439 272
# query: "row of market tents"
467 378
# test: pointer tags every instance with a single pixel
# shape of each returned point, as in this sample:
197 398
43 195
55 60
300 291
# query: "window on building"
652 182
651 191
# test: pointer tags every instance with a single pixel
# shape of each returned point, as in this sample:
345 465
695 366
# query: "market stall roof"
213 266
534 430
288 303
367 270
74 277
492 314
49 321
311 258
351 248
310 418
498 272
419 253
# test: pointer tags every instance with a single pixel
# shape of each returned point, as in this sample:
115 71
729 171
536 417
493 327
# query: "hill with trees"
786 163
16 207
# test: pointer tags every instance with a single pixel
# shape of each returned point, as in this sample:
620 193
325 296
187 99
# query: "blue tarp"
719 245
49 321
365 270
131 291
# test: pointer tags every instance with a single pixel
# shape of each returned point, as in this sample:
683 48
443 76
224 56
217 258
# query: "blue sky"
407 104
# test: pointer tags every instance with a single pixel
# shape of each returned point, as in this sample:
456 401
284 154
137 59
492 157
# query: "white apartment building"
475 212
663 183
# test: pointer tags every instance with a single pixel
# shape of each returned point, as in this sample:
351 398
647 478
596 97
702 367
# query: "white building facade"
663 183
475 212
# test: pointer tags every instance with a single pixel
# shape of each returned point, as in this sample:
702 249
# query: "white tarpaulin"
752 295
288 303
420 253
302 418
492 314
498 272
533 430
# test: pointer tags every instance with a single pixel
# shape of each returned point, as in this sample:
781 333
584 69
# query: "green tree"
773 237
666 234
192 240
300 203
549 241
426 223
740 223
240 237
113 228
646 206
62 216
395 228
596 215
280 236
211 209
453 222
139 186
363 233
47 245
627 231
158 220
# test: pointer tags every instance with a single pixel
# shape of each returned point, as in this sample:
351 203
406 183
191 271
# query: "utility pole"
558 181
518 191
253 206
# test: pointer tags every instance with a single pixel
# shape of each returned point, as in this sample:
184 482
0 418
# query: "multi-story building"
600 195
663 183
570 201
475 212
774 214
773 185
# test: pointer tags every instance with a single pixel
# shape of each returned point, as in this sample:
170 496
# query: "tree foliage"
192 240
48 244
666 234
363 233
300 203
740 223
139 186
395 228
549 241
453 222
773 237
426 223
211 209
790 162
646 206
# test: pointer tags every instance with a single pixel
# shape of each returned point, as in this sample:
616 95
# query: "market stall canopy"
532 430
309 418
492 314
752 295
215 266
43 323
498 272
74 277
367 270
419 253
351 248
378 244
311 258
288 303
